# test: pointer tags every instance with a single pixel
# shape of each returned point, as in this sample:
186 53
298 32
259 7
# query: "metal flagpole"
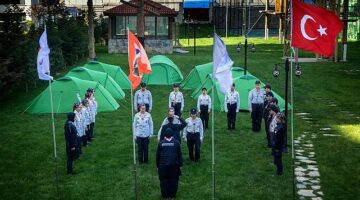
292 99
134 146
54 141
213 141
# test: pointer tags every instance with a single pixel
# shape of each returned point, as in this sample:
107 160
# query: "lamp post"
276 73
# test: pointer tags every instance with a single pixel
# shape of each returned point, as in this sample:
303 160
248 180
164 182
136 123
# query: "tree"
140 22
91 46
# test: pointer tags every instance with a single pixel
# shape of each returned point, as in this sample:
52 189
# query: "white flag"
222 65
43 62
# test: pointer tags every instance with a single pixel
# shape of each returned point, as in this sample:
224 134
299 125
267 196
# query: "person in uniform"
176 128
232 106
193 135
268 98
93 105
279 142
176 100
143 96
79 124
169 163
70 133
171 113
86 113
204 107
143 131
272 123
256 105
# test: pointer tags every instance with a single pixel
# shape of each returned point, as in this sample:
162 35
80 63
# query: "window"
124 22
162 26
149 26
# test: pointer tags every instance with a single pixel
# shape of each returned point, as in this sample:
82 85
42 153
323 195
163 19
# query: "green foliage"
19 43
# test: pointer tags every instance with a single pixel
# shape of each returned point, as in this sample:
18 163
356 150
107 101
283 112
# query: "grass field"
244 168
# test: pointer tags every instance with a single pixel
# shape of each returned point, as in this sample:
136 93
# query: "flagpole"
134 146
292 100
54 141
213 140
212 130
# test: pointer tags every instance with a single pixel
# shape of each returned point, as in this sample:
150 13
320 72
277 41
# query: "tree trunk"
140 22
91 45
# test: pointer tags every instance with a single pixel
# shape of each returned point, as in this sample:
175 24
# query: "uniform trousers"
143 149
169 179
204 115
256 116
231 115
193 140
177 108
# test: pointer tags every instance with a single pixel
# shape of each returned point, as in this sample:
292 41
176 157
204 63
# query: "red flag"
138 61
315 29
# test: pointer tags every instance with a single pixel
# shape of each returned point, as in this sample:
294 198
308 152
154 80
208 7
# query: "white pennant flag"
222 65
43 62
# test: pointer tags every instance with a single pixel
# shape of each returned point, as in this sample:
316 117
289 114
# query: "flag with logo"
222 65
138 61
315 29
43 62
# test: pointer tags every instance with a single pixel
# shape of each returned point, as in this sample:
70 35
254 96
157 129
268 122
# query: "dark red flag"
315 29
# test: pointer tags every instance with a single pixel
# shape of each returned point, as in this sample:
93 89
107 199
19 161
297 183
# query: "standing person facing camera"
176 100
143 130
256 106
204 107
143 96
232 106
194 135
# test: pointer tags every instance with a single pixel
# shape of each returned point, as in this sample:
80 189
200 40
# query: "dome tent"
198 75
65 93
103 78
164 72
114 71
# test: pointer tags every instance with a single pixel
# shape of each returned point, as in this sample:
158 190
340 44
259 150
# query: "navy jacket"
176 128
168 153
70 136
279 136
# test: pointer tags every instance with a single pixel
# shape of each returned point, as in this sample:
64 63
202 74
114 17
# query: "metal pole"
54 141
245 60
213 140
226 19
286 99
194 39
292 101
266 20
134 146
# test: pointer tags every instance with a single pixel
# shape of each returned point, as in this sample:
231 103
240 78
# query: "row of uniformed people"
168 154
275 128
176 101
79 127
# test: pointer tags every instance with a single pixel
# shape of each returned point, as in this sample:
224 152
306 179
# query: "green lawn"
244 168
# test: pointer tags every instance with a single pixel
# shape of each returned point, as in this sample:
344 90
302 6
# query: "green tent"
101 77
65 93
164 72
197 76
114 71
244 84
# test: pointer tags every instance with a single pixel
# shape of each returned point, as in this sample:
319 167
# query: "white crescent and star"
304 19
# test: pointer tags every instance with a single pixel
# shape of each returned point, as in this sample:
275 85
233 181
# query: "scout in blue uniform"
143 96
176 100
169 162
204 107
232 106
194 135
256 105
143 130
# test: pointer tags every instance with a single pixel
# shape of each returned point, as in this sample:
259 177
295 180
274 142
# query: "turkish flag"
314 28
138 61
